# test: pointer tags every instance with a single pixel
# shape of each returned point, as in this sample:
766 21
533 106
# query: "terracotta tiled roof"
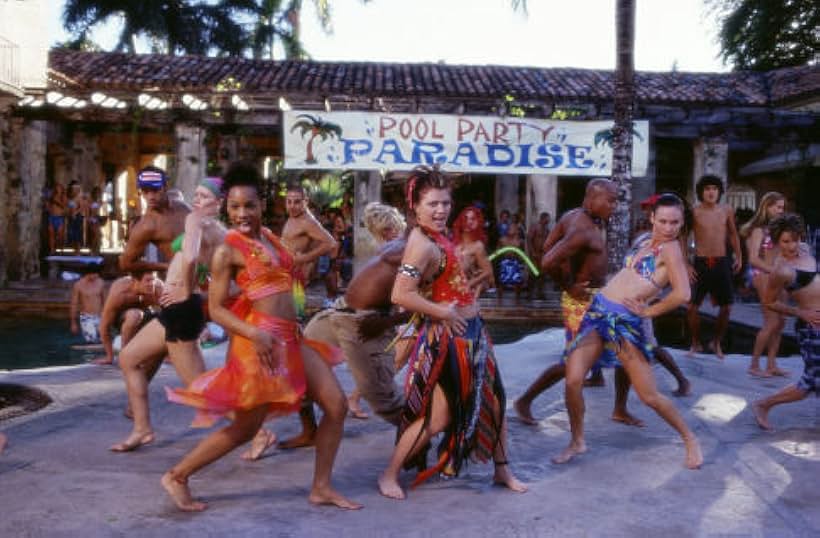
794 84
126 72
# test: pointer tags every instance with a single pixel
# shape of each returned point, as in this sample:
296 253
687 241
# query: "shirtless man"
131 303
536 237
176 329
87 297
360 323
303 234
714 223
575 257
163 221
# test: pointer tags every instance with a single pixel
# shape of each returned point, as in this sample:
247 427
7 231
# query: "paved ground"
57 477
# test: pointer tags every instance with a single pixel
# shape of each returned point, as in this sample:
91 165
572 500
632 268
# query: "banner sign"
474 144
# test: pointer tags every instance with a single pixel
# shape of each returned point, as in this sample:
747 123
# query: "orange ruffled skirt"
244 384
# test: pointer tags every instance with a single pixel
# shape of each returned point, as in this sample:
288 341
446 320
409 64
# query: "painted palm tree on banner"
318 128
620 223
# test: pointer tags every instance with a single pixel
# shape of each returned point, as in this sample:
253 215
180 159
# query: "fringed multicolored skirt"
614 323
466 370
245 384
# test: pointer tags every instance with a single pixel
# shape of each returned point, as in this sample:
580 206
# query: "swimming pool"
29 342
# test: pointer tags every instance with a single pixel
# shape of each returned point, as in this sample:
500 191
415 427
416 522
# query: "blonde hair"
761 217
379 216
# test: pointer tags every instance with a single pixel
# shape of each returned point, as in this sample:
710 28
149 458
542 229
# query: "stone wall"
22 178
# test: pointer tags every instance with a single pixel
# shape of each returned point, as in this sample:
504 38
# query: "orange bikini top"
450 284
262 275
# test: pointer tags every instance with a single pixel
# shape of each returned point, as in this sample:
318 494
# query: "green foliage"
328 189
565 113
767 34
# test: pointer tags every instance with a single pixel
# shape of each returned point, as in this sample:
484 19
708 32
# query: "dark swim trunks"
714 277
183 321
147 315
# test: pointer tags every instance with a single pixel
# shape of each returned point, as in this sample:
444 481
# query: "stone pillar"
5 209
22 189
367 187
87 166
191 158
711 157
542 195
506 194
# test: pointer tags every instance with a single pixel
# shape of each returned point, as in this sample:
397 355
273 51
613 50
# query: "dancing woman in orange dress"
270 366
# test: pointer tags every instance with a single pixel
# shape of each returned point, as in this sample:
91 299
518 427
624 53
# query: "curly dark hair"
706 181
242 174
789 222
422 178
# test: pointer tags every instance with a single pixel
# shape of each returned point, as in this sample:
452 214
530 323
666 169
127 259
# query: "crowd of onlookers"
73 219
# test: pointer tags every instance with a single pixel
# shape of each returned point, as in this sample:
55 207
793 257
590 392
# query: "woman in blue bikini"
612 328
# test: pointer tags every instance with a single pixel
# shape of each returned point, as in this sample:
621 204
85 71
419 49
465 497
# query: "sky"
554 33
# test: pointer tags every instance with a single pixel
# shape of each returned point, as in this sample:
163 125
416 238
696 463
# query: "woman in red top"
270 366
453 385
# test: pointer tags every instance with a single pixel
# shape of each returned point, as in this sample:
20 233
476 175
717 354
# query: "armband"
409 270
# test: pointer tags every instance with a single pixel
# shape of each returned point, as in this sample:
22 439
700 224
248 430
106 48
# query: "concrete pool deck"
57 477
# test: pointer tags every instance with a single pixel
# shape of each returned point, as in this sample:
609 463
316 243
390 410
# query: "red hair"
461 220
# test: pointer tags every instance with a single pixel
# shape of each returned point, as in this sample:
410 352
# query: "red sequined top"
450 285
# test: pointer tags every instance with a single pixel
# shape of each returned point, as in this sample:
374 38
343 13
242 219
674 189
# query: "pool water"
38 343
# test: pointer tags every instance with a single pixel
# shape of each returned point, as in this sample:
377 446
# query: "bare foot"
263 440
761 415
694 457
574 449
357 412
306 438
390 488
524 414
716 349
3 441
102 361
777 372
133 442
180 494
684 389
626 418
757 372
694 348
328 495
504 477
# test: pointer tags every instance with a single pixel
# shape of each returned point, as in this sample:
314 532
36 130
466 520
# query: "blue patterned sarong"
809 339
614 323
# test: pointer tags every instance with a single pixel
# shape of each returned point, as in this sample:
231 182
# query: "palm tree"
173 27
620 222
278 21
317 127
